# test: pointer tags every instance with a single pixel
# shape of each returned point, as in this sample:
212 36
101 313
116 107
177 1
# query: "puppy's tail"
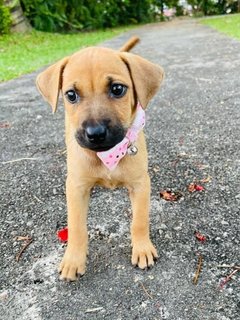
130 44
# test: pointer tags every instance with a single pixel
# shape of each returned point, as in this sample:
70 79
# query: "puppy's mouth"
100 148
99 138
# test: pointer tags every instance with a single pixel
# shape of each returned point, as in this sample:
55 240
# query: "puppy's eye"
117 90
72 96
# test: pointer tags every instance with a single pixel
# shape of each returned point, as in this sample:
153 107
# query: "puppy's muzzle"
100 135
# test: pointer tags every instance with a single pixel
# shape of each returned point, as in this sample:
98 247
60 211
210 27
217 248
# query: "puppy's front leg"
74 260
143 251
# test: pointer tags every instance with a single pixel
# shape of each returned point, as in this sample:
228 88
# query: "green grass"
24 53
228 24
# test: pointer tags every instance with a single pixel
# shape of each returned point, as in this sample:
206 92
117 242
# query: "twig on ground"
94 310
21 238
206 180
198 270
62 151
18 256
35 197
226 279
228 266
18 160
145 290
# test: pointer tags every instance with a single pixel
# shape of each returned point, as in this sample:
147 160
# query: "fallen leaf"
169 195
200 237
63 234
198 187
191 187
195 187
5 125
206 180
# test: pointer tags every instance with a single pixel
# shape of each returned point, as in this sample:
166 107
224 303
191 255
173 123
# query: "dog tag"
132 150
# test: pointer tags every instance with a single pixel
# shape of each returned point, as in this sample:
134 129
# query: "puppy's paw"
143 254
73 265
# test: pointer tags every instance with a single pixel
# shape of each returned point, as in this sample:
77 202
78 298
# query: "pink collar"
111 157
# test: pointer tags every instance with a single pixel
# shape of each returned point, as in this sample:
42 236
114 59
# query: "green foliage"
5 19
25 52
211 7
229 24
70 15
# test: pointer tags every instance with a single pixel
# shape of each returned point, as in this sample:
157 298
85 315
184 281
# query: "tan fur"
130 44
89 70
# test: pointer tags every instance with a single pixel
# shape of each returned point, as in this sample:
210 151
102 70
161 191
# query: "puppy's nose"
96 134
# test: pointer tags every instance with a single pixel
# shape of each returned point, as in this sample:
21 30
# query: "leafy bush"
5 19
67 15
213 7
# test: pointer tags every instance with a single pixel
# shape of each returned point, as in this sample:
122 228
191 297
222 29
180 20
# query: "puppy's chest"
110 181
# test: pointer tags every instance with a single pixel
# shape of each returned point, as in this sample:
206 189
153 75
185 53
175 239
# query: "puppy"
105 94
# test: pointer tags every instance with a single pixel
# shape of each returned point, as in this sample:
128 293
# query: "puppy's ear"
49 82
146 76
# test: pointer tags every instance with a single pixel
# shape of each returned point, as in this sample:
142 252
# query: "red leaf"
200 237
63 234
195 187
198 187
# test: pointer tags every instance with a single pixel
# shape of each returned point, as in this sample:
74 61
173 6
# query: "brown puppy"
101 88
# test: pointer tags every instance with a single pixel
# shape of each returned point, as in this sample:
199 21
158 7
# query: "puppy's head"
100 88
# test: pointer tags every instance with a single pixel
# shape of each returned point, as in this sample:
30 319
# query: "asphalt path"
193 135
